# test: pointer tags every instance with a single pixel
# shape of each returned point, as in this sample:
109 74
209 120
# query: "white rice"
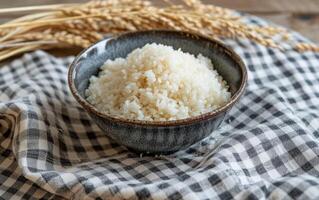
157 83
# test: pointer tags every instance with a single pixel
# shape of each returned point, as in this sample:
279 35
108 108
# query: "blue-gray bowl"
157 136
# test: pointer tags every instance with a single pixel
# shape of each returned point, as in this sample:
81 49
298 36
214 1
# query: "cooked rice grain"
157 83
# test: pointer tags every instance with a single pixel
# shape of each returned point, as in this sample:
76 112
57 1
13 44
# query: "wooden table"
300 15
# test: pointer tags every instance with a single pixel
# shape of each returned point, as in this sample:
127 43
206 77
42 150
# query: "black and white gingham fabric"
267 148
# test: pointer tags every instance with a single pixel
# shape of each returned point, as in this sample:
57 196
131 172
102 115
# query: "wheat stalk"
71 25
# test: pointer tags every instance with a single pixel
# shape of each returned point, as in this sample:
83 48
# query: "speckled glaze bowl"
165 136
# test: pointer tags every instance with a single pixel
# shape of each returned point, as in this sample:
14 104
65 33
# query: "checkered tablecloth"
267 148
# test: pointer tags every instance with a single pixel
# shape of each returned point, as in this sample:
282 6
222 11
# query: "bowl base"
154 153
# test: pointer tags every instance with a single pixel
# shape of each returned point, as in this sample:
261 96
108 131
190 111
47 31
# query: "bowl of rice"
157 91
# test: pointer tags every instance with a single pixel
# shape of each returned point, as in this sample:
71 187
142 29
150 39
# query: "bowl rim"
187 121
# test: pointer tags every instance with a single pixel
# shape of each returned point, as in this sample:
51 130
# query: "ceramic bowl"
158 136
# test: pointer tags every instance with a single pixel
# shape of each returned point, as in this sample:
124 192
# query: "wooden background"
299 15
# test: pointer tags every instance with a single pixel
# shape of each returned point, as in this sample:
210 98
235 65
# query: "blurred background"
299 15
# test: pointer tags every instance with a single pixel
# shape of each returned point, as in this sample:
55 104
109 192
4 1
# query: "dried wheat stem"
4 46
16 51
35 8
44 22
